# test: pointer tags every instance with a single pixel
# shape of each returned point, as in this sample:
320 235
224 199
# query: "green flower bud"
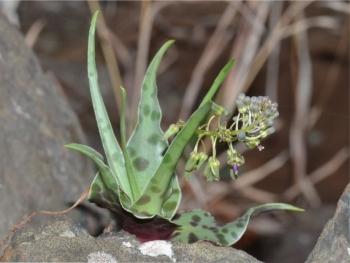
195 161
234 171
252 143
211 171
218 109
191 164
201 159
267 132
234 157
241 136
172 130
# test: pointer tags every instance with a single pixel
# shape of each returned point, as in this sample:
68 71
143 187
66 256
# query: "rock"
334 243
74 81
62 240
37 172
297 239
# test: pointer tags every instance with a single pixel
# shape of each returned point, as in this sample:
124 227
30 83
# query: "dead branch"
321 173
297 144
212 50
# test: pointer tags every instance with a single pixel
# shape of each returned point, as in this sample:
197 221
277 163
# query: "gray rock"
333 246
36 171
63 241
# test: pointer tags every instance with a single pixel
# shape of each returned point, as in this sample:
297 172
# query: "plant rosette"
137 181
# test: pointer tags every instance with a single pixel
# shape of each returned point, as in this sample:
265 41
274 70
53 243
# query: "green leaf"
151 202
111 147
147 141
123 118
102 195
152 199
200 225
110 182
93 155
172 199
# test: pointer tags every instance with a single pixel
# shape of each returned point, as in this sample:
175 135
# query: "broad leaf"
111 147
152 201
153 197
147 141
200 225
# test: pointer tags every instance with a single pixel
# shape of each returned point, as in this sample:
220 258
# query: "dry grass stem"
33 32
252 177
121 51
273 60
328 84
244 50
270 43
297 144
246 180
321 173
337 6
211 52
258 195
149 11
28 218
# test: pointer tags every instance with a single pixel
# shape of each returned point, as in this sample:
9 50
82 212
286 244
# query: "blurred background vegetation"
295 52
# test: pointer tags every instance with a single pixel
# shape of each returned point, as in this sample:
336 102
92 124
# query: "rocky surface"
61 240
36 171
333 246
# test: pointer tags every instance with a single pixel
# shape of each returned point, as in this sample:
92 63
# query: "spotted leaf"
111 147
104 189
162 179
147 142
200 225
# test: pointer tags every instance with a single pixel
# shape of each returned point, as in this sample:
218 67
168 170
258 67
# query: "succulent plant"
138 176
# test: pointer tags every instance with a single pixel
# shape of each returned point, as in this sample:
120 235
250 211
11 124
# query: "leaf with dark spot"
226 235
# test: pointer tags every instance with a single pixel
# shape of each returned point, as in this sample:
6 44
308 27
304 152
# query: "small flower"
260 148
234 157
241 136
234 171
195 161
173 129
255 119
211 171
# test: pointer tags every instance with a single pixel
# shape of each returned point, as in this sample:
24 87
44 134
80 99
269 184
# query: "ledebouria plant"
138 181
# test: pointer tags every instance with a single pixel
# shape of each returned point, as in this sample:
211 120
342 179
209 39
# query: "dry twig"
297 144
27 218
256 175
33 32
232 87
211 52
244 51
322 172
149 10
273 60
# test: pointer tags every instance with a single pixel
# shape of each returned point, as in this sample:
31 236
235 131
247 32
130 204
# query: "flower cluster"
255 118
252 124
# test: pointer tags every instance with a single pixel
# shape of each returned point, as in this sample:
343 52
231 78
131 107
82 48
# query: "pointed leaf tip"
200 225
146 143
